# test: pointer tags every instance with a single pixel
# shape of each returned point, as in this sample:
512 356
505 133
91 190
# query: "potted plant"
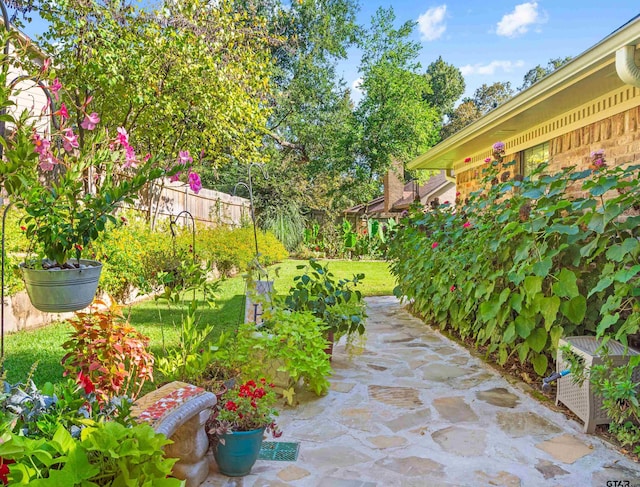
334 301
238 423
69 183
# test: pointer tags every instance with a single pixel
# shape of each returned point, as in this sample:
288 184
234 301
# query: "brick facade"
618 135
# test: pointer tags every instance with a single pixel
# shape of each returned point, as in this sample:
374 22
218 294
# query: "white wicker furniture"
580 399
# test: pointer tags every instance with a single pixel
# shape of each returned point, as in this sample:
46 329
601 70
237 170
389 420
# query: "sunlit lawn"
161 324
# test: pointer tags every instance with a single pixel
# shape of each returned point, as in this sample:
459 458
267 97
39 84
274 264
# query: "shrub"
109 352
523 262
234 249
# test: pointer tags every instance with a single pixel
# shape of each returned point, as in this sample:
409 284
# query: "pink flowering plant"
71 179
246 407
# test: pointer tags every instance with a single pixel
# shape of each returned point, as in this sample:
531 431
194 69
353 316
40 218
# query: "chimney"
393 185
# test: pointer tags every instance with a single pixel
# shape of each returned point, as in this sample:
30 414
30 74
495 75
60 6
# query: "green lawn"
161 324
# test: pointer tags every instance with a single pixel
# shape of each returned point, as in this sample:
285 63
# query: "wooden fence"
208 206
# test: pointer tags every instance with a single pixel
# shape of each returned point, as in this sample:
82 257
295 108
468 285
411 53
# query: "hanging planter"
62 290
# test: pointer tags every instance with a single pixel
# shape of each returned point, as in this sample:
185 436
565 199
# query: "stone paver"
415 409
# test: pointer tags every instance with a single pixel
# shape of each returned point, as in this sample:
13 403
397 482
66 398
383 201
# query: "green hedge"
523 263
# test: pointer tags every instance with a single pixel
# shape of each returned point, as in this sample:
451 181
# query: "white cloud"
489 69
356 84
517 22
431 23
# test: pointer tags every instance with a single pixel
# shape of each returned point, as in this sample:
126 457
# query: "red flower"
78 247
231 406
23 228
434 245
468 159
452 288
85 382
466 225
4 470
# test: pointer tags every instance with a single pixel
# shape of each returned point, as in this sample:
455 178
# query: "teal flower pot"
240 451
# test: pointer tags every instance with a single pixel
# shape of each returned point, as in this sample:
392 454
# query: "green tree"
447 85
393 119
536 74
485 99
180 75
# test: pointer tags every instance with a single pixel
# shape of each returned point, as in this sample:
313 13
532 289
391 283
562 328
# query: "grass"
161 324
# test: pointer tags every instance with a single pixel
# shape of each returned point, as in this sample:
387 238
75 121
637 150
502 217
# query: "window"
531 158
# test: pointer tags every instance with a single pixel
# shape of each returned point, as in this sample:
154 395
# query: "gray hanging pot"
62 290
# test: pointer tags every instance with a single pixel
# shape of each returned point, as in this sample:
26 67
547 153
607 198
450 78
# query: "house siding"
618 135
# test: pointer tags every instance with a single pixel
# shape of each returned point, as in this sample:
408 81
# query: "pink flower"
498 147
487 159
175 177
452 288
47 161
123 137
130 156
41 145
466 225
62 112
598 162
468 159
45 65
194 182
55 87
69 140
434 245
184 158
90 121
147 157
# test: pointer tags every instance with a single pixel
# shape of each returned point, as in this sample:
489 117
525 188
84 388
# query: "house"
398 195
592 103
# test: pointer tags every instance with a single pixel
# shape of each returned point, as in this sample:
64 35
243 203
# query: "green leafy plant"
109 352
528 259
189 360
107 453
289 342
332 300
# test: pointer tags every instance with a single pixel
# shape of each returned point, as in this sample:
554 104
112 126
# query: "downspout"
449 176
626 65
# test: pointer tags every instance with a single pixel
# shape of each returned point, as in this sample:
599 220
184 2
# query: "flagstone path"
415 409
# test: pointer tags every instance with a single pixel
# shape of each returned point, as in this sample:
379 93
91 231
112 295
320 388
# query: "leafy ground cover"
160 323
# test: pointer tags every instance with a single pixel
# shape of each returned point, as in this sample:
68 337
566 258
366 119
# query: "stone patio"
415 409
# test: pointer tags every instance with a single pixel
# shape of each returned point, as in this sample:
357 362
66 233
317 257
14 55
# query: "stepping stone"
442 372
336 482
359 418
343 387
404 397
549 470
292 473
499 396
461 441
454 409
409 420
310 431
387 441
565 448
411 466
334 457
518 425
502 478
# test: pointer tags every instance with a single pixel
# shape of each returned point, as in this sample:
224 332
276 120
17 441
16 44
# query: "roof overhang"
589 75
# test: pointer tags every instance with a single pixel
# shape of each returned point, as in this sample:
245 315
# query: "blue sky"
500 40
492 40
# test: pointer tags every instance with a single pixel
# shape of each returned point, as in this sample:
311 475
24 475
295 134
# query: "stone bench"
180 411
